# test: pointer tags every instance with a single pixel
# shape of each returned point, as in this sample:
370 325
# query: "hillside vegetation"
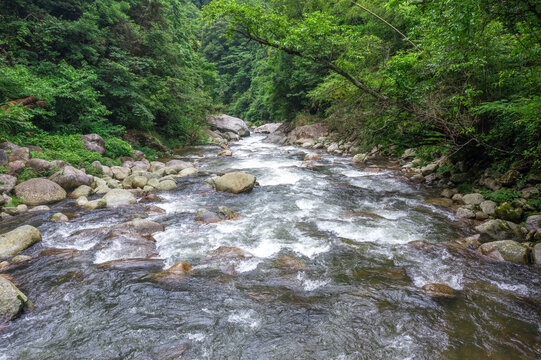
456 77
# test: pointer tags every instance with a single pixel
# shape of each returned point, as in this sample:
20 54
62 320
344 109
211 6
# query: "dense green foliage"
455 76
102 66
468 76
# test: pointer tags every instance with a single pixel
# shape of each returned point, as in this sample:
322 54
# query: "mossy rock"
507 212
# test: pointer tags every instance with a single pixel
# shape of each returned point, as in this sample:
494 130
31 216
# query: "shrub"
116 147
501 195
464 188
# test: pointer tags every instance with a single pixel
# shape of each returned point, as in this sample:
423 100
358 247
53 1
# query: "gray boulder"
40 164
228 123
505 250
142 227
235 182
94 143
7 183
267 128
493 230
166 185
20 154
532 222
120 172
12 300
473 199
39 191
488 207
83 190
70 178
15 167
178 165
119 197
15 241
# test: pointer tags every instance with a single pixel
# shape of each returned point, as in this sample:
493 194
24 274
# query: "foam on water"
247 318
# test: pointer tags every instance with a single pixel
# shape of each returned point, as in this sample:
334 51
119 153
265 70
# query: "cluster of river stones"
137 180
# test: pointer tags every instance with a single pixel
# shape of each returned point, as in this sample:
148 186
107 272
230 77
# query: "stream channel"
332 274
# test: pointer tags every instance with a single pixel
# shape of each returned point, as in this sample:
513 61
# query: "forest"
456 77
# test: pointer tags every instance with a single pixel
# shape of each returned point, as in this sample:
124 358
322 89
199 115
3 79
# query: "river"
351 288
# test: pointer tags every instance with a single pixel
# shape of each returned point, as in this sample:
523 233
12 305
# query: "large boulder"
7 183
228 123
505 250
15 241
12 300
119 197
493 230
94 143
235 182
71 178
20 154
39 191
267 128
306 133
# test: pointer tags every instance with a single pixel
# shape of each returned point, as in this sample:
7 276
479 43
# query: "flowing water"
351 291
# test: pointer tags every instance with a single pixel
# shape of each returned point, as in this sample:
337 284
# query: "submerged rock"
141 226
177 272
439 290
15 241
132 264
206 217
312 157
12 300
59 217
290 262
39 191
443 202
505 250
235 182
225 153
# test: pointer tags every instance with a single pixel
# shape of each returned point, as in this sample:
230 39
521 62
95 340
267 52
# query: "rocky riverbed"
268 251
